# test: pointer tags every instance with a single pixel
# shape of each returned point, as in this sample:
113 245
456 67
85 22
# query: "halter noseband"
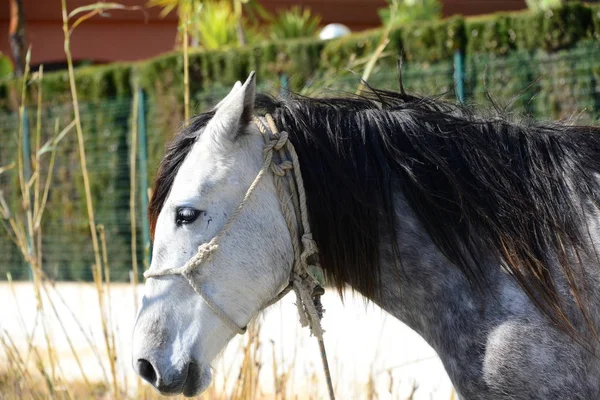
280 157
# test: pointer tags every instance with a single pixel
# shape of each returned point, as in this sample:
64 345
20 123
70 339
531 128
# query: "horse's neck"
473 331
429 294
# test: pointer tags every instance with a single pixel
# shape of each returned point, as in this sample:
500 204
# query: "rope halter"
279 156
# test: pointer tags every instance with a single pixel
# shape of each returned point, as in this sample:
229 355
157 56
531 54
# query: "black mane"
516 190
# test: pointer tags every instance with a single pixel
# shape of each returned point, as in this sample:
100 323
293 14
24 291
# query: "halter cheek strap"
302 281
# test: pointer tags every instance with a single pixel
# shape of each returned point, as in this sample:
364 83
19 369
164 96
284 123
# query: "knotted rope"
302 281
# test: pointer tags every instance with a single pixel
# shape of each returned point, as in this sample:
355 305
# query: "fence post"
143 161
459 75
285 86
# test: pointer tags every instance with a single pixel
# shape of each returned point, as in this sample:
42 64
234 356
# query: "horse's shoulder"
528 358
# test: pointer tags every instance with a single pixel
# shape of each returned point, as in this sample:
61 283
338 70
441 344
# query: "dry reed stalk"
6 214
229 371
17 361
83 332
24 368
58 136
240 389
287 374
132 193
19 313
276 379
30 337
36 191
453 394
29 237
314 386
371 385
140 387
20 161
36 228
65 384
107 283
97 267
25 236
186 67
69 342
97 275
102 234
281 379
383 42
413 390
250 369
80 140
112 356
391 382
88 12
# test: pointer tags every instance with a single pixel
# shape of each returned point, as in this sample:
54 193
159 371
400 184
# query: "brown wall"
124 36
135 35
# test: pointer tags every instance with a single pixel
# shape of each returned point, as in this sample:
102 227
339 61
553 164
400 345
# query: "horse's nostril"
146 371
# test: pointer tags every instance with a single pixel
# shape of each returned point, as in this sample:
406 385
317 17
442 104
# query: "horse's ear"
235 111
236 86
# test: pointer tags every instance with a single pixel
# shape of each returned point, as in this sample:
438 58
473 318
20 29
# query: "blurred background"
75 240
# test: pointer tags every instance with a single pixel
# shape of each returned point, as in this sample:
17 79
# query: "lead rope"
307 288
302 281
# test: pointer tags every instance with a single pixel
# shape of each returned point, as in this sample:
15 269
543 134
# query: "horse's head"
178 333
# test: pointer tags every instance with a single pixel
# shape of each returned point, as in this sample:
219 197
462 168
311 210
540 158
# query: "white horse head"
177 334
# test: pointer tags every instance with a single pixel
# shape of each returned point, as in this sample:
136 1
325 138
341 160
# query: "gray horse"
480 233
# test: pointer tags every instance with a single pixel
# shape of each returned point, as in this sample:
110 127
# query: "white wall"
361 341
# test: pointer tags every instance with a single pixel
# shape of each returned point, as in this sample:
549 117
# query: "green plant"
214 25
297 22
538 5
6 67
401 12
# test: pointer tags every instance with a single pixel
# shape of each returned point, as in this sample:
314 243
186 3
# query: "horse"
477 229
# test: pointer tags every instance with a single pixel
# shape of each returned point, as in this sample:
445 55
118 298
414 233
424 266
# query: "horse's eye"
186 215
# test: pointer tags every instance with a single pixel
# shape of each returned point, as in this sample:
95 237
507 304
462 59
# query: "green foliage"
550 30
558 85
180 6
344 52
401 12
433 41
565 26
6 67
95 83
297 22
542 5
214 25
595 16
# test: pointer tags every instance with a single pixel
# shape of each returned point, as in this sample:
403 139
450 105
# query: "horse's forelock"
176 152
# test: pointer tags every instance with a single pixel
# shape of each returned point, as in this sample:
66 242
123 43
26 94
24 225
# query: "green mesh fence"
561 85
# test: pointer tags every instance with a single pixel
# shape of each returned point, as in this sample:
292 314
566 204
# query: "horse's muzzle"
190 382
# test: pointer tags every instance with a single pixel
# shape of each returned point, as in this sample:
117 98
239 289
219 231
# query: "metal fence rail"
556 86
